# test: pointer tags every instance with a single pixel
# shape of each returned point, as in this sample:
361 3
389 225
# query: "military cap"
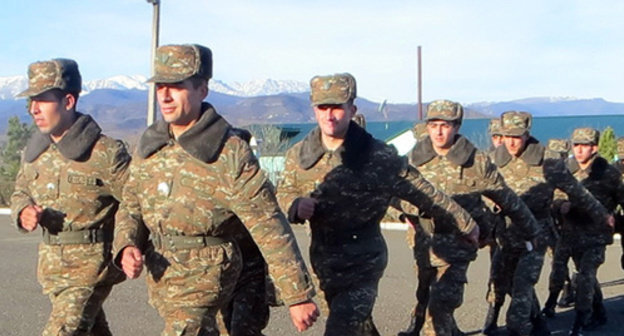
494 127
620 147
444 110
332 89
58 73
561 146
585 136
515 123
177 62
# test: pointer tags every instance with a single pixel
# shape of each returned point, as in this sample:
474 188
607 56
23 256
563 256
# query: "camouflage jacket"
195 185
466 173
534 178
354 185
605 183
619 165
78 181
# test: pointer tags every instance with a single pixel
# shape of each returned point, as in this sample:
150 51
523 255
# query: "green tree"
18 134
607 146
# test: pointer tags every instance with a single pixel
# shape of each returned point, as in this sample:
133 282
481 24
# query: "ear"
353 110
70 102
204 91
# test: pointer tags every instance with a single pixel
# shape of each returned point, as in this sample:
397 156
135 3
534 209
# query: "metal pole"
151 92
420 108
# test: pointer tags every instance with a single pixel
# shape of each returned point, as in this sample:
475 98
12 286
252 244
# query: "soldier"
582 239
341 180
619 223
456 167
495 134
561 150
69 184
534 176
192 174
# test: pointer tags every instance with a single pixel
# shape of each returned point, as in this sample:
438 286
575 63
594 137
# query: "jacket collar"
354 151
75 145
204 140
598 164
533 154
460 153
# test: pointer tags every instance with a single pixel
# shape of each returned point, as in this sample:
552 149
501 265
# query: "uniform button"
355 237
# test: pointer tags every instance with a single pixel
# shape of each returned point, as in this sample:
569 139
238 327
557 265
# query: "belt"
169 242
76 237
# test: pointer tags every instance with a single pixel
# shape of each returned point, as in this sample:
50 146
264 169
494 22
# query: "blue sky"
472 50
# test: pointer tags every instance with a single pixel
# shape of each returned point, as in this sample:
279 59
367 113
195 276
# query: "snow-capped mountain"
11 86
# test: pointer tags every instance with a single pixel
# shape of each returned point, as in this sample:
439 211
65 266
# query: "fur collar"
75 145
595 168
354 151
460 153
203 141
533 154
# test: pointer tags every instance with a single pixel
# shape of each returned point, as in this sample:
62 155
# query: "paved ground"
24 310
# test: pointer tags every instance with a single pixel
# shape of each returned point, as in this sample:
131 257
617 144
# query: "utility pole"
420 108
151 92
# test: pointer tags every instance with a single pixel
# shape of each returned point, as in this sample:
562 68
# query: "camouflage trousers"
248 311
515 272
77 279
560 272
189 286
445 287
587 261
78 311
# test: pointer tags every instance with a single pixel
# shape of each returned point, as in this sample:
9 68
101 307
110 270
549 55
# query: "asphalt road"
24 310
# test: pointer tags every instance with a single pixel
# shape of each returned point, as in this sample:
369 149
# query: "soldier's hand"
30 217
132 262
611 221
473 236
303 315
564 208
305 207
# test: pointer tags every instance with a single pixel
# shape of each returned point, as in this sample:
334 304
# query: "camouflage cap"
561 146
58 73
444 110
620 147
585 136
516 123
494 127
175 63
420 130
332 89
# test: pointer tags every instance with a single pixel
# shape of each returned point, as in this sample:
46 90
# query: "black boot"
598 317
551 302
416 323
540 327
491 319
579 323
569 296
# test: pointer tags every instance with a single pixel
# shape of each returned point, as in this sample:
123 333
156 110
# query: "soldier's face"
49 111
584 152
333 119
442 133
515 144
180 103
497 140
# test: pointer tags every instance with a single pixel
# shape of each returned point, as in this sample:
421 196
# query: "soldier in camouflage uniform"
191 175
69 184
582 239
619 216
341 180
494 130
560 149
534 176
456 167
